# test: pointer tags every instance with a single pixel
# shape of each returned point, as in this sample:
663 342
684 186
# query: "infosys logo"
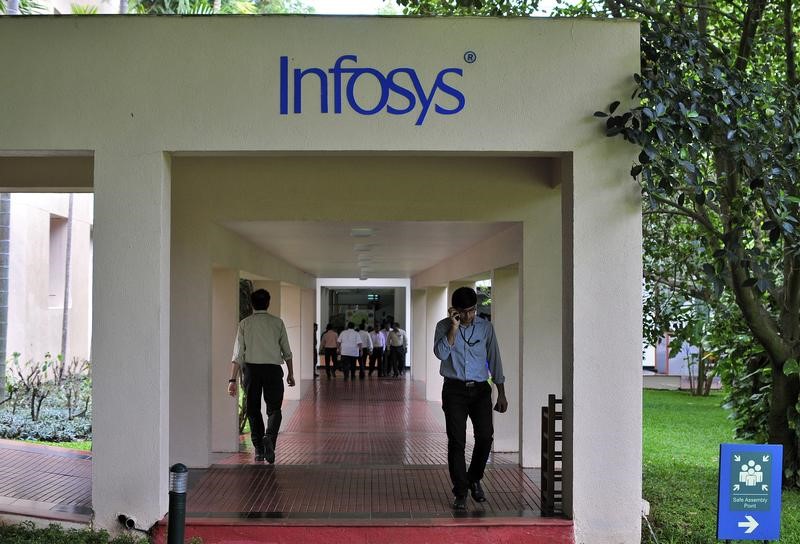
398 92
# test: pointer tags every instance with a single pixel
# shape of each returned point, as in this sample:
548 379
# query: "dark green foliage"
719 165
27 533
491 8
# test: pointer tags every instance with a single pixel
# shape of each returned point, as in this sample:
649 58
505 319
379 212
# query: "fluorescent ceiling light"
361 232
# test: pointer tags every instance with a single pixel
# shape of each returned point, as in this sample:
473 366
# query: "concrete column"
507 325
436 303
400 307
324 307
307 316
291 315
541 319
130 344
602 350
401 315
419 326
224 317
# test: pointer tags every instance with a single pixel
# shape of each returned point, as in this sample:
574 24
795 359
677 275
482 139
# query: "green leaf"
613 106
790 367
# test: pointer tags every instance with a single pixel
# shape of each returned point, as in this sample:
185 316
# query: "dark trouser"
459 401
376 361
362 361
330 361
266 380
349 365
396 359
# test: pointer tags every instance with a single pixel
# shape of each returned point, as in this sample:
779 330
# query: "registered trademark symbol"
470 57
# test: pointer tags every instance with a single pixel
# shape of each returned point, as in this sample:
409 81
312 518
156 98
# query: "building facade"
186 129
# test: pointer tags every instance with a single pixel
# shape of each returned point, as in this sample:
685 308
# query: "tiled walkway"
369 449
47 482
363 449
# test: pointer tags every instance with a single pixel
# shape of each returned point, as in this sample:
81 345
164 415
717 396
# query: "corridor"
364 449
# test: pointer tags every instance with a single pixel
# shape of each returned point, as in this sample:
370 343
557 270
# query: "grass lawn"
85 445
682 435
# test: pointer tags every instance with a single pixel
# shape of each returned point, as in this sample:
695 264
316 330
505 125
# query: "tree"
209 7
21 7
718 126
719 131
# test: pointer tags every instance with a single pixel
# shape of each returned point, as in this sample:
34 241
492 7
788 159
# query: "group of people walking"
383 347
464 342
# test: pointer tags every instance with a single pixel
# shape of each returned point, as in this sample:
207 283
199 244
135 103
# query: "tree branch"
788 36
755 10
703 9
702 220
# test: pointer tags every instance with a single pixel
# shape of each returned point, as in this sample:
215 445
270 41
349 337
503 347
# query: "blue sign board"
749 492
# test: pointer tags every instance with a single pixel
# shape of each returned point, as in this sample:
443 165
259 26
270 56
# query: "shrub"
27 533
52 426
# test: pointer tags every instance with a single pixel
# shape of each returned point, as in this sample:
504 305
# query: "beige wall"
35 318
531 91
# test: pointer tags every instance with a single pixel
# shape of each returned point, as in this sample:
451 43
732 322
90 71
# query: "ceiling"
369 249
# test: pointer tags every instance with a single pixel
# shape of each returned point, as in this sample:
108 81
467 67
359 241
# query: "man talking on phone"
467 348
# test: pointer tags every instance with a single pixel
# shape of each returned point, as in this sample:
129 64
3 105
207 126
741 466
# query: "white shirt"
366 341
350 343
397 339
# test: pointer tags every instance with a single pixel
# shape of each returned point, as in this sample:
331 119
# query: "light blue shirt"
474 354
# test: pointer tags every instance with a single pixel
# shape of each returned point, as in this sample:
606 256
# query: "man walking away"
350 349
330 344
261 347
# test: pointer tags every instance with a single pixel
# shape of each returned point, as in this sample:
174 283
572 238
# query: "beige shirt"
330 339
261 339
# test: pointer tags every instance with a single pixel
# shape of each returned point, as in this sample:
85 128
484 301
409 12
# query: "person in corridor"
261 347
330 343
467 348
350 350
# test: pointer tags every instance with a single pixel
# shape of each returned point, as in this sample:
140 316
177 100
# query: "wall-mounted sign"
749 492
400 91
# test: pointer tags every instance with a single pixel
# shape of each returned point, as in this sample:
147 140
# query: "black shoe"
477 493
259 452
269 451
460 503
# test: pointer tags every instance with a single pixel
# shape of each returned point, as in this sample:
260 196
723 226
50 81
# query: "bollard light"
178 481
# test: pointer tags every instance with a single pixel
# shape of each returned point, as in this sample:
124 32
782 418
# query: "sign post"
749 492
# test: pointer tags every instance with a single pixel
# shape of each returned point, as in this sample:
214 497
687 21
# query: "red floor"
362 461
358 461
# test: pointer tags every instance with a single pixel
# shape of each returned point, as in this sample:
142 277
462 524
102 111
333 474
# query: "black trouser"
266 380
459 401
376 360
362 361
349 365
330 361
396 359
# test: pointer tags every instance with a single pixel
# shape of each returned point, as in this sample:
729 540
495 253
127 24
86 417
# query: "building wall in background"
37 271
